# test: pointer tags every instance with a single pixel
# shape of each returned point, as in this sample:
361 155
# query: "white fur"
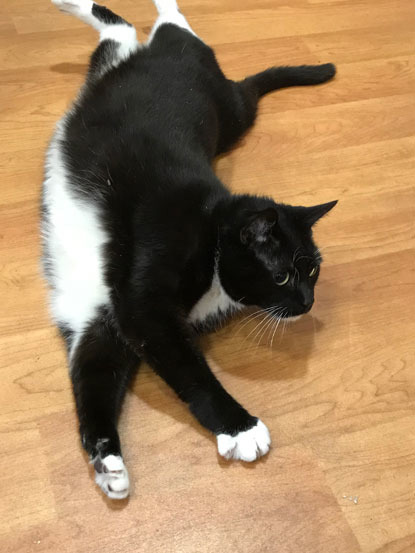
214 303
81 9
293 319
74 241
113 480
169 13
123 34
246 446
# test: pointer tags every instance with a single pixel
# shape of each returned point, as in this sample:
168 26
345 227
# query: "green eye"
282 278
312 272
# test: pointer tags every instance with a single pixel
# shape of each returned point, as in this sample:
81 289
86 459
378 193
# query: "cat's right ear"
310 215
259 226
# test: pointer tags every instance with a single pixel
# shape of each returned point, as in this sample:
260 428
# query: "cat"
143 246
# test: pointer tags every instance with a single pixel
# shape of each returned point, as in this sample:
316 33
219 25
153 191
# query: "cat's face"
269 259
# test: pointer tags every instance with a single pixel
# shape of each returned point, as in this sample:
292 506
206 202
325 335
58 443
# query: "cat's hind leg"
117 37
101 368
169 12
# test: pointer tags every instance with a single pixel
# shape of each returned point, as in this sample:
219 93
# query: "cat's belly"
74 241
213 306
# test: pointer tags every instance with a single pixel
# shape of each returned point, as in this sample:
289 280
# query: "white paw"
75 7
112 476
247 445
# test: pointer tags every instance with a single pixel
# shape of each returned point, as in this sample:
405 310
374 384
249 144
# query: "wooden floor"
337 390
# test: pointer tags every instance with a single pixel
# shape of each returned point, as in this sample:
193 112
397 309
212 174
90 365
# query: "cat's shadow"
68 68
263 354
287 359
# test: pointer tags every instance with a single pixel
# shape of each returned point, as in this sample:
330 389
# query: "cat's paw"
112 476
246 446
75 7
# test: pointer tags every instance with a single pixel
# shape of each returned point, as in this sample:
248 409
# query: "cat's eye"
282 278
312 272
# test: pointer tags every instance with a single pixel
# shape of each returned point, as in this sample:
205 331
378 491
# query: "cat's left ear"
259 226
310 215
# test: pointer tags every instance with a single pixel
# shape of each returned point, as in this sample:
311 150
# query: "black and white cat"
144 246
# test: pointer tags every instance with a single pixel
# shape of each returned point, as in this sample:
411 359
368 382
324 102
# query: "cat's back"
150 118
174 78
120 155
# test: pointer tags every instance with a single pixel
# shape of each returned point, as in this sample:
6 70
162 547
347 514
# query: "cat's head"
267 254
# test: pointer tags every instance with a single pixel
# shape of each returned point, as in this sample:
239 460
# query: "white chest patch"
214 303
74 241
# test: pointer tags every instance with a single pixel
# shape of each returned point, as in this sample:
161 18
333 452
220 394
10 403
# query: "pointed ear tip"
328 206
316 212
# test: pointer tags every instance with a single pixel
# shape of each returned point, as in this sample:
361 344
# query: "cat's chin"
293 319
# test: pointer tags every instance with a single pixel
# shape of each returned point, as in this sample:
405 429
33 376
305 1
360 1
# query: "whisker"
275 332
267 326
252 316
263 323
325 247
249 318
318 252
284 325
260 322
275 329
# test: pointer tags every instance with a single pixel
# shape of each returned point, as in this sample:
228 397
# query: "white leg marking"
125 35
247 446
74 240
166 5
122 33
111 476
81 9
169 13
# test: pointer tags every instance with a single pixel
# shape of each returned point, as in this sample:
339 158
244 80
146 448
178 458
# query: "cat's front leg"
167 343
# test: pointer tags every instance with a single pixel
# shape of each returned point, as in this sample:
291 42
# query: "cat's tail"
282 77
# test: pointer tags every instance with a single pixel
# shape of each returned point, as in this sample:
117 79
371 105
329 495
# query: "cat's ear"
259 226
310 215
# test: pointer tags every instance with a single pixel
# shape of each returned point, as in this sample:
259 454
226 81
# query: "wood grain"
337 389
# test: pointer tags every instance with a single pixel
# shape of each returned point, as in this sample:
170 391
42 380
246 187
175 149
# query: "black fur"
107 16
139 145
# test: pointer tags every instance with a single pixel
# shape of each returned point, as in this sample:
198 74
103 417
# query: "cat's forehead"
293 241
285 254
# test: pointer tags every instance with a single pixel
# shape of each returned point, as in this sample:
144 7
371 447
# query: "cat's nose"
307 305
